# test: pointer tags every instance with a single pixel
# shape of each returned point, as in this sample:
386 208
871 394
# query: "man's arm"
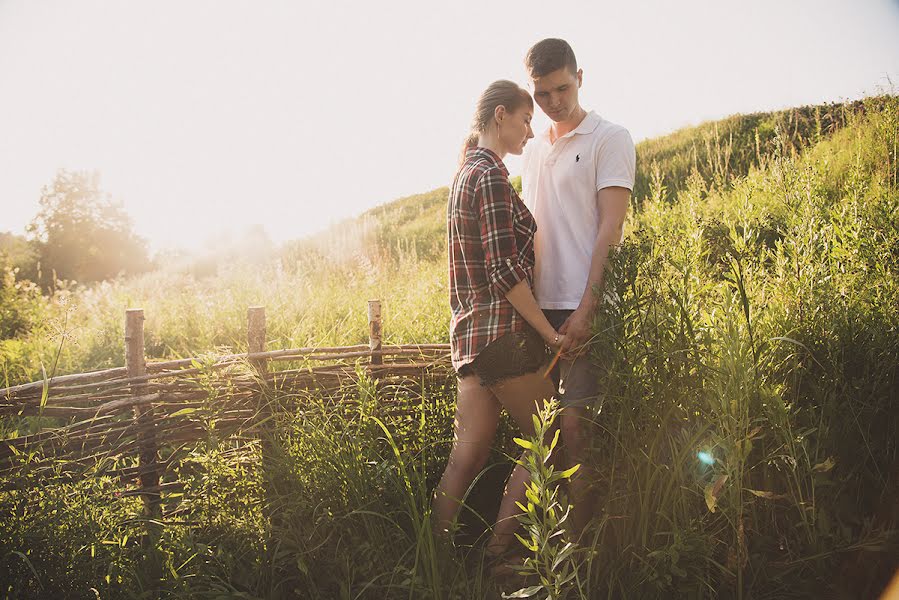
613 202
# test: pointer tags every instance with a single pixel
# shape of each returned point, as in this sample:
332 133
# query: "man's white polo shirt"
559 184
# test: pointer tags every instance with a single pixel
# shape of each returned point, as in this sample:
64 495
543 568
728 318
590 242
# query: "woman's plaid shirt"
490 233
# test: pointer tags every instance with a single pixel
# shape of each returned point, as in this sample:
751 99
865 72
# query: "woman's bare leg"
521 396
477 415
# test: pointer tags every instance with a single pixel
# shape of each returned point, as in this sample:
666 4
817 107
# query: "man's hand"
577 329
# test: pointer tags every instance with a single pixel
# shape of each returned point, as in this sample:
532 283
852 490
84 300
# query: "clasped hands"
573 335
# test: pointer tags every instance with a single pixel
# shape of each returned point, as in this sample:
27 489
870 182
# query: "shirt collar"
587 125
489 155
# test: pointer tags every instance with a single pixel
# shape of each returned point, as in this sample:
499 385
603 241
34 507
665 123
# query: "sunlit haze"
209 117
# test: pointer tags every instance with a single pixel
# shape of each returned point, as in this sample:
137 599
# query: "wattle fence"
134 422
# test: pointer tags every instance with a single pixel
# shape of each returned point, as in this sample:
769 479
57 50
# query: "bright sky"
211 116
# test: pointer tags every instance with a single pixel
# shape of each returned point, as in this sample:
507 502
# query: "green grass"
757 324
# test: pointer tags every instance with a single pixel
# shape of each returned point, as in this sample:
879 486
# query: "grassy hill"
748 434
720 152
369 256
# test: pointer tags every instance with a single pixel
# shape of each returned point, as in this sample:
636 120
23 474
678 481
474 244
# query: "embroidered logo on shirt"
577 158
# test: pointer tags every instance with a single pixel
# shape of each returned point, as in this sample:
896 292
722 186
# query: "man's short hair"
550 55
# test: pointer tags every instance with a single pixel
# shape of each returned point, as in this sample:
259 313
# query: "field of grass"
750 368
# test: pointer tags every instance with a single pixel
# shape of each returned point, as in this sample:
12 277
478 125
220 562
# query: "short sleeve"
616 163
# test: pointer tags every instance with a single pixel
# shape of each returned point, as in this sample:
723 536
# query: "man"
577 179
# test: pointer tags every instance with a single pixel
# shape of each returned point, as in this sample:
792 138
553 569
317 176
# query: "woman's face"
515 129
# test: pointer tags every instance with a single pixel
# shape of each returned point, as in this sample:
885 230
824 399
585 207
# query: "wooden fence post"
374 331
256 343
136 365
256 337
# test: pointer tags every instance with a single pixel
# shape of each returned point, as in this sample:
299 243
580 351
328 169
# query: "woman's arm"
521 297
501 253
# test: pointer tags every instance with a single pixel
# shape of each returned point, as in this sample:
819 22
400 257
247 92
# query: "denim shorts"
508 356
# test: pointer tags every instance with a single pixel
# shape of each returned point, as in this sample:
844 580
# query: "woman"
498 334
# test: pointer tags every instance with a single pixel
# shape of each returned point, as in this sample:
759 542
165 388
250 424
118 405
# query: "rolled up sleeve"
494 198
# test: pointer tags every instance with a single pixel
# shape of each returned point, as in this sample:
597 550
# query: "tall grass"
756 325
746 441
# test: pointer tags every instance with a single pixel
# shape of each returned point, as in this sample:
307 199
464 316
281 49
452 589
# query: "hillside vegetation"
719 151
750 371
315 290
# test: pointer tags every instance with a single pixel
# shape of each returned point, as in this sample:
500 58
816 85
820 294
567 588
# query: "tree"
81 234
17 253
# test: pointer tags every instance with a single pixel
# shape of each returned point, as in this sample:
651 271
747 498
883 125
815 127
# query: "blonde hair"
499 93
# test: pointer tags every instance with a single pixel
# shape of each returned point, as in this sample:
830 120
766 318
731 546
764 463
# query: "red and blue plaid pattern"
490 234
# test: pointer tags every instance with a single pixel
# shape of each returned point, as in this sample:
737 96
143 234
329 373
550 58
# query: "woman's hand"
556 340
557 346
560 342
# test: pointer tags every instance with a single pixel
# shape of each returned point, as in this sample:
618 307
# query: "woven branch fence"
146 411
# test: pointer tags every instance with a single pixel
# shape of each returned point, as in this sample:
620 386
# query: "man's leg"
578 394
577 391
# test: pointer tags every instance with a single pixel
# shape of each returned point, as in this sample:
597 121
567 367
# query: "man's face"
556 93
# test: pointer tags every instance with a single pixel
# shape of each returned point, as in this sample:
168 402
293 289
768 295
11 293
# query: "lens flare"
705 458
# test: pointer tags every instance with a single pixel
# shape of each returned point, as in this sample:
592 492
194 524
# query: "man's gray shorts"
576 381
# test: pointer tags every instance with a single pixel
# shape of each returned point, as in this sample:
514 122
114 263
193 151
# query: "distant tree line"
79 234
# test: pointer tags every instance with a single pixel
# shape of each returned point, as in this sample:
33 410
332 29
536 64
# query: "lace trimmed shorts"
508 356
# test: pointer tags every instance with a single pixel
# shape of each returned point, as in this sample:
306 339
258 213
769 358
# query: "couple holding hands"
524 274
